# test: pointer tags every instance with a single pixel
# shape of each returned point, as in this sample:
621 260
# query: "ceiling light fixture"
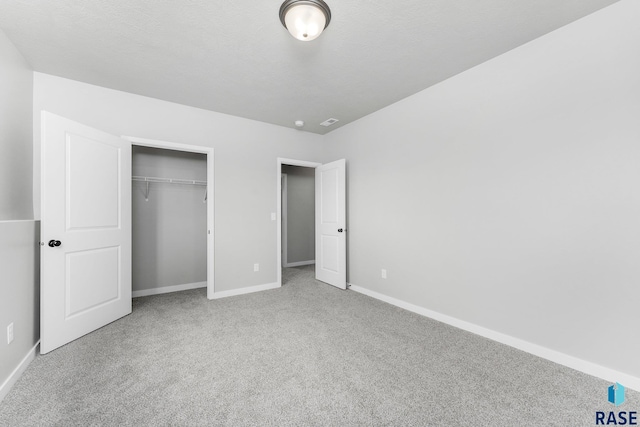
305 19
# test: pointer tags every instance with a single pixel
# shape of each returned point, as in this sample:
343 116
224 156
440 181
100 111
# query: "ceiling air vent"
328 122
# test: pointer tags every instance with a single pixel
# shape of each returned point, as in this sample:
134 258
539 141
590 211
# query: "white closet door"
85 230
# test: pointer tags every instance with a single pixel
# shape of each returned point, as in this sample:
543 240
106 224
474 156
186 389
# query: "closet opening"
172 218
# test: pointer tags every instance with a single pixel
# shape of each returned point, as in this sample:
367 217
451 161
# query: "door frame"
291 162
208 151
283 222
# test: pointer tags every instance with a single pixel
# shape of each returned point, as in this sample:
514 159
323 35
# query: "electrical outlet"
273 216
10 333
384 273
256 267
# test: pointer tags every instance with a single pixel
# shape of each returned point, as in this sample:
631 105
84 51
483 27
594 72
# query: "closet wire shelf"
150 179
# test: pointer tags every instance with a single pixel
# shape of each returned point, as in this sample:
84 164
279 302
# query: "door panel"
93 187
331 253
86 206
80 270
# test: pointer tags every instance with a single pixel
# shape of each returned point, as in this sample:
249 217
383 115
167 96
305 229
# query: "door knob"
54 243
339 230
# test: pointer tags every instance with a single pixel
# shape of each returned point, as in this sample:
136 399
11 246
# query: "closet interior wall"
169 233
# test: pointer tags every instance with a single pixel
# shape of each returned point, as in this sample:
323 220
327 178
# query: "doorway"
330 220
176 157
86 219
282 232
298 216
168 221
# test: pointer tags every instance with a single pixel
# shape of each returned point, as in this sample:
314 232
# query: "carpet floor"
306 354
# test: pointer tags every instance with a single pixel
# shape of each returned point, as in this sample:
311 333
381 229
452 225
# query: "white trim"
153 143
300 263
572 362
285 226
247 290
303 163
282 161
18 371
168 289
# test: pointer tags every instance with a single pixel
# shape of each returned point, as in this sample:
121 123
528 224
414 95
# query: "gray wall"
508 197
16 159
169 234
301 241
246 155
19 252
19 292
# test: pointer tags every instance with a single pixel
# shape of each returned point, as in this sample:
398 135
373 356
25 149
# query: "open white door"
85 231
331 240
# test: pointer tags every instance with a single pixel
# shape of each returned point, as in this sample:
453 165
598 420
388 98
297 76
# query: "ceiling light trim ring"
320 4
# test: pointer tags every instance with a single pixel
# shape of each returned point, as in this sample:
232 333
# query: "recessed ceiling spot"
328 122
299 123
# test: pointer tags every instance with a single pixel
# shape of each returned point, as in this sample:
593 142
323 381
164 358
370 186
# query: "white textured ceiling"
235 57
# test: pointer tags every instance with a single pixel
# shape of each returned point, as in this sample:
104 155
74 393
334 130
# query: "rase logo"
621 418
616 394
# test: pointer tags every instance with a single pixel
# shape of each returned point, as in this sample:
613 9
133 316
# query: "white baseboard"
167 289
300 263
18 371
572 362
247 290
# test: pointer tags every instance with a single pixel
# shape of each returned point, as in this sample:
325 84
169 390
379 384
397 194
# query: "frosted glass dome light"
305 19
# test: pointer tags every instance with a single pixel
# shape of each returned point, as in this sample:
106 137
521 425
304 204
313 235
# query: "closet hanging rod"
168 180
